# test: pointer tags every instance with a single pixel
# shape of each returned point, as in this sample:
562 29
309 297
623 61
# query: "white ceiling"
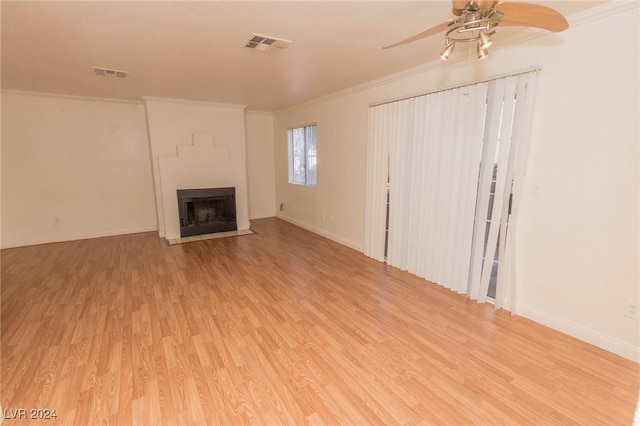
194 50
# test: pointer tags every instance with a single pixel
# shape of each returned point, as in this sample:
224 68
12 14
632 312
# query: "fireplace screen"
205 211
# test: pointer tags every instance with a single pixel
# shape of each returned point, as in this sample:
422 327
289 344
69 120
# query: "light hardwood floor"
279 327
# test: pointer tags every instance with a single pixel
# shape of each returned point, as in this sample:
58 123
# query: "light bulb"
482 53
485 40
446 53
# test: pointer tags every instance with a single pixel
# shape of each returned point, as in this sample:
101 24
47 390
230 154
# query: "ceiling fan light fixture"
448 50
482 52
485 40
477 20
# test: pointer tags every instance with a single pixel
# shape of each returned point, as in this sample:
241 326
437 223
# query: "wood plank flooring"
279 327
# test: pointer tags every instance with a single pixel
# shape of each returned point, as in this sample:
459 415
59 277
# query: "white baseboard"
330 235
262 215
74 237
585 334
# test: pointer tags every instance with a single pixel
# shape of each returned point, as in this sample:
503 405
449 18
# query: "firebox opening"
206 211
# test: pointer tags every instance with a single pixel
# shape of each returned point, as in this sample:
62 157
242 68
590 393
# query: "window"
303 155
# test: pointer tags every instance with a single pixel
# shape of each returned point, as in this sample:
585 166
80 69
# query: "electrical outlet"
283 206
632 310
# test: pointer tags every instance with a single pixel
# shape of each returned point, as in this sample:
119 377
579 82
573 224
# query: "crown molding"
257 112
65 96
602 11
145 99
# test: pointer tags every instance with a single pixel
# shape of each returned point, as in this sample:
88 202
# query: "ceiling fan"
477 21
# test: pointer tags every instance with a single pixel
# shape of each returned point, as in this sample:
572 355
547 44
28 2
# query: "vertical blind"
439 152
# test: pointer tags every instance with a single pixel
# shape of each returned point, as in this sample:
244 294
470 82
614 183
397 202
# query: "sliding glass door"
441 169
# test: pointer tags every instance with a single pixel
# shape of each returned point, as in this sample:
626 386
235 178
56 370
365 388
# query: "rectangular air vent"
107 72
263 42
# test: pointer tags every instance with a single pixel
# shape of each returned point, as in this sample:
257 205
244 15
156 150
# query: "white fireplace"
196 145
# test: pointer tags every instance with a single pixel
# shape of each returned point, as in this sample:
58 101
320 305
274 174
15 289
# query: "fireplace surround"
206 211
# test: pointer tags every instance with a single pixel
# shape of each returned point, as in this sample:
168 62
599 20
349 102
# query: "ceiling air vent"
263 42
107 72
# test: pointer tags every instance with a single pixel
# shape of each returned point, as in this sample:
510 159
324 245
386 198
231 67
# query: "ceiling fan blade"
458 5
486 4
431 31
531 15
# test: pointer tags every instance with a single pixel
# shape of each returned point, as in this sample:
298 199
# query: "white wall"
260 164
580 216
172 123
578 226
0 174
335 207
73 168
